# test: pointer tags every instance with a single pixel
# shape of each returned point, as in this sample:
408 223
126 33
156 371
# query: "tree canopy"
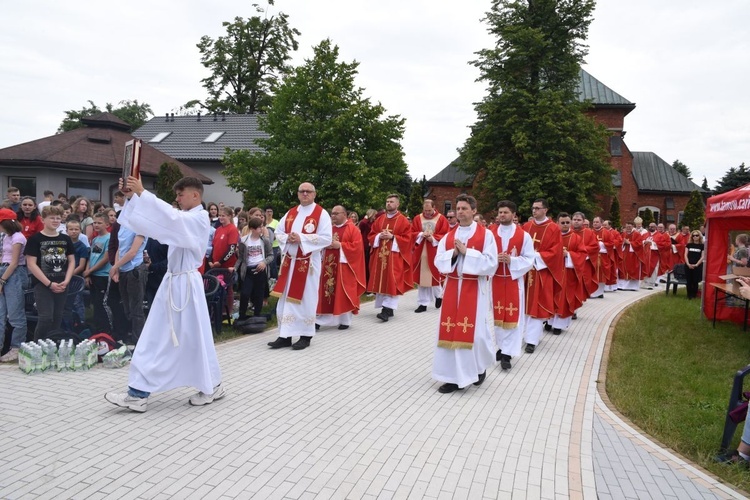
247 62
169 174
734 178
682 168
322 130
532 138
132 112
695 212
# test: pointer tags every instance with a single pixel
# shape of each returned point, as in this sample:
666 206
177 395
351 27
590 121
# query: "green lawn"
670 373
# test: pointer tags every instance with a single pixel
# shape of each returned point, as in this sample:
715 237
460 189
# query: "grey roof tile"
451 174
651 173
185 141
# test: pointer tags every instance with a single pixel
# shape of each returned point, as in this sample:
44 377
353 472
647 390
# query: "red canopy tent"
725 212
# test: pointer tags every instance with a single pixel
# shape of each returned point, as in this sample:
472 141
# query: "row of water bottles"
43 355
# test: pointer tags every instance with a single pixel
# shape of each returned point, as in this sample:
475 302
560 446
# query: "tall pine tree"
614 213
532 138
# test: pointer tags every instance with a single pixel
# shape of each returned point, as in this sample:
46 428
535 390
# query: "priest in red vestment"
664 247
342 279
632 259
591 246
570 292
603 263
390 258
515 257
429 227
548 268
615 256
468 257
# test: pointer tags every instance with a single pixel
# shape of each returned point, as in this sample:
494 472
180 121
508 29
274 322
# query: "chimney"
199 116
223 116
215 115
167 118
172 116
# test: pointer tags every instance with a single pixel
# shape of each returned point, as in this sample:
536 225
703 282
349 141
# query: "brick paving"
354 416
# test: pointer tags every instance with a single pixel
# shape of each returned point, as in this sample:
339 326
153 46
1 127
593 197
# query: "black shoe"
438 303
388 311
575 316
482 376
547 327
448 388
420 309
505 362
317 327
343 327
382 315
556 331
530 348
302 343
499 355
281 342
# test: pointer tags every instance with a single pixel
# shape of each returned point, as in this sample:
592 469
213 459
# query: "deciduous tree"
532 138
322 130
247 63
132 112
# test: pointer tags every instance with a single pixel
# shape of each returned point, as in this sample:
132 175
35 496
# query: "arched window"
654 210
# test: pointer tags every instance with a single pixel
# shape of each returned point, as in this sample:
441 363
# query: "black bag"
253 324
58 335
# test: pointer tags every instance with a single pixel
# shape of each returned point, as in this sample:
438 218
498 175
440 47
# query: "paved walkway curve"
354 416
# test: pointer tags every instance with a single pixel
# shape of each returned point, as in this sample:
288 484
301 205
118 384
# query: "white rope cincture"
172 307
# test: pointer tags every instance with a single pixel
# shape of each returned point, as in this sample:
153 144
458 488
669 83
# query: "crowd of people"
521 280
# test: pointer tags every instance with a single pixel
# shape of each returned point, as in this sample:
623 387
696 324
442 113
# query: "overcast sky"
683 63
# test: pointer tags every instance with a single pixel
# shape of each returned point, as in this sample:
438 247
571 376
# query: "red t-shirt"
29 227
224 238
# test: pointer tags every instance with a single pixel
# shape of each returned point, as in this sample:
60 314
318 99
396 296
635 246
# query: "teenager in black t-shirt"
50 259
695 254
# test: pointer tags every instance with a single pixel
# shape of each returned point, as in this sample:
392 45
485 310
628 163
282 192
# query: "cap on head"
7 214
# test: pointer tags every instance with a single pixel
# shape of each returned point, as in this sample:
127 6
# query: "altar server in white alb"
465 347
176 348
303 233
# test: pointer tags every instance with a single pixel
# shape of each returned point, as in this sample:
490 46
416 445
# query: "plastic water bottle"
93 353
37 357
50 351
78 354
63 356
24 359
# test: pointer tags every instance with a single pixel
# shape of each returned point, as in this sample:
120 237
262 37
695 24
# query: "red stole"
456 329
302 261
504 287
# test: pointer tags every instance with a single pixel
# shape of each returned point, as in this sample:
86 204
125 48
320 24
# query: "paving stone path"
354 416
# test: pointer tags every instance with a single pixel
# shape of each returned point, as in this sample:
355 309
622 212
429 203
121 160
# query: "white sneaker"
201 399
9 356
125 400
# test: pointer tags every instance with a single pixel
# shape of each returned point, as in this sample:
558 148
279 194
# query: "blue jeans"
135 393
12 306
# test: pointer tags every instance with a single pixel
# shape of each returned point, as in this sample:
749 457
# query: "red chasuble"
390 272
423 260
570 293
603 264
591 246
632 261
341 284
681 241
666 257
505 294
298 275
540 298
459 312
615 256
